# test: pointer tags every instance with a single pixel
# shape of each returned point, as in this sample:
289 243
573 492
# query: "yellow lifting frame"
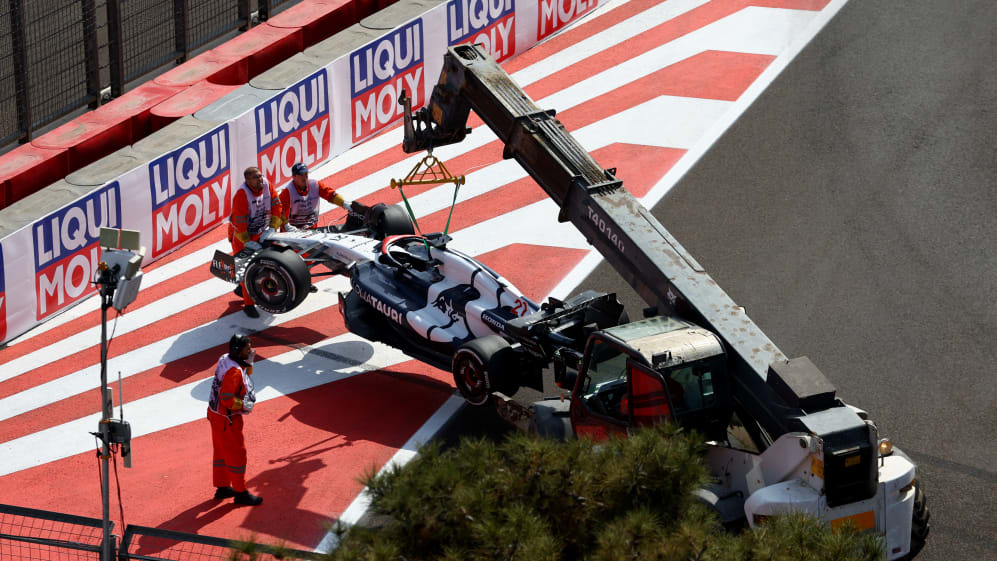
430 170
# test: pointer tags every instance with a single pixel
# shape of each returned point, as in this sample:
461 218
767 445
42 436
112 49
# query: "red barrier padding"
382 4
192 99
28 168
364 8
318 19
87 139
211 66
109 128
264 46
136 105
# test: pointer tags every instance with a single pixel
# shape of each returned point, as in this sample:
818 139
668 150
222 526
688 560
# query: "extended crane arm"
631 240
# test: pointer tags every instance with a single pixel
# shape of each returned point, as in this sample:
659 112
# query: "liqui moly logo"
67 251
379 72
491 23
552 15
294 127
191 191
3 301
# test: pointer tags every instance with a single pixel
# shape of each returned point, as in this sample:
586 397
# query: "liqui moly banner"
294 126
67 252
3 300
379 71
554 15
191 190
491 23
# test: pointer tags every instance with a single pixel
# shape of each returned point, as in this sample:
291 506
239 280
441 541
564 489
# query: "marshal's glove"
356 216
359 210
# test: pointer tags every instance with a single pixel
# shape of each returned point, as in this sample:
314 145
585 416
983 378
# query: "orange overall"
252 212
229 390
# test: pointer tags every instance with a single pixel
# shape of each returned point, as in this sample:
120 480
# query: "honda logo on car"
379 72
382 308
294 127
552 15
494 320
67 251
488 22
190 191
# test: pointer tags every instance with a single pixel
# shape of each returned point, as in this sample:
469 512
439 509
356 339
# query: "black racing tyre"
479 366
387 220
277 280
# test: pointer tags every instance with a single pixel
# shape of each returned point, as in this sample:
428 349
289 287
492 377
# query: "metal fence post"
180 29
115 47
245 16
22 85
91 55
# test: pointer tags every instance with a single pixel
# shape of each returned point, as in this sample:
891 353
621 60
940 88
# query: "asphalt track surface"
848 210
852 211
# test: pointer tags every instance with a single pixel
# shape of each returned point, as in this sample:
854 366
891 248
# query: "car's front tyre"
278 281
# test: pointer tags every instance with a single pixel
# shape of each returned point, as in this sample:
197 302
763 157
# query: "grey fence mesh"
147 36
55 33
208 19
33 535
9 129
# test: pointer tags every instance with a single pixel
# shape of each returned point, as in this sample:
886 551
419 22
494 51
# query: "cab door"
598 407
649 400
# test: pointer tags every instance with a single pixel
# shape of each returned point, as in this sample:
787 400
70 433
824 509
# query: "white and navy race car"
410 291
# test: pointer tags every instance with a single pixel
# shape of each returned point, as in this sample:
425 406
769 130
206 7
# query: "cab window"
691 388
605 382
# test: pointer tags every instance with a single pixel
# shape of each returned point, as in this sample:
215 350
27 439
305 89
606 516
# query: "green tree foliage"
530 499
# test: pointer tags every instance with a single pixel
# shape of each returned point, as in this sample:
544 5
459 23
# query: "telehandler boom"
779 438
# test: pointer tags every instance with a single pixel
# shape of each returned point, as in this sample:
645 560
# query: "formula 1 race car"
409 291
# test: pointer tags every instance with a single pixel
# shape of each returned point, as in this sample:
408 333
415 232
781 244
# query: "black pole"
91 57
115 48
245 18
22 86
106 281
180 32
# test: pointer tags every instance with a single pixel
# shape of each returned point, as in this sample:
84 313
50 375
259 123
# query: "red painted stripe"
518 263
592 26
306 451
587 28
306 330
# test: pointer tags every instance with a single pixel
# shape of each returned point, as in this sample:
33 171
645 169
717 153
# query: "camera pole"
106 282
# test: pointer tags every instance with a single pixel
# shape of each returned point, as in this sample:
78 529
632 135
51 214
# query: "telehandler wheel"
479 367
277 280
920 525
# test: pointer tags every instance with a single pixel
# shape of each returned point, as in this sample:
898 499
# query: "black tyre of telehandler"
920 523
480 367
278 281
